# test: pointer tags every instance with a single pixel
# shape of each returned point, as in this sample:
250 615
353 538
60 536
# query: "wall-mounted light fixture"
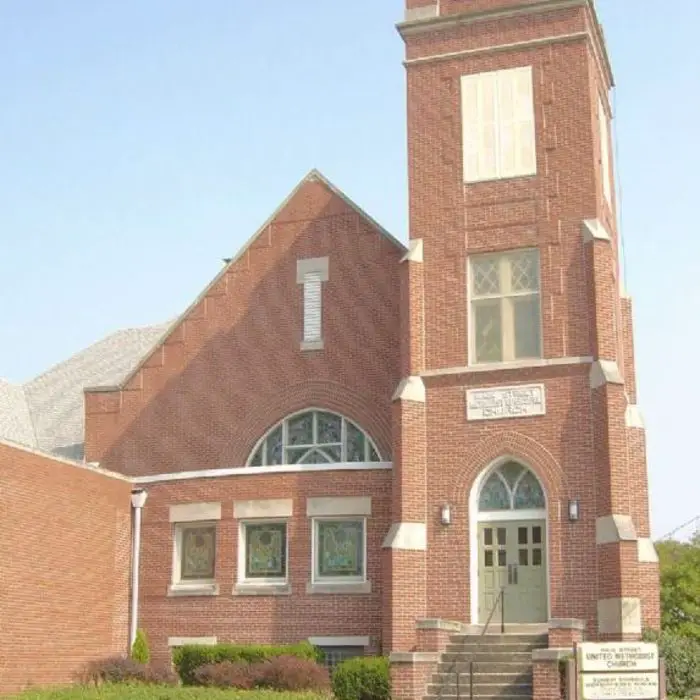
574 510
446 514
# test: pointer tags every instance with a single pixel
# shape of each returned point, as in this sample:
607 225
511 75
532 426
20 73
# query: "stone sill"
262 589
357 588
178 590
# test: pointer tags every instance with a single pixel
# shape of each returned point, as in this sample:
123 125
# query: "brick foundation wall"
64 586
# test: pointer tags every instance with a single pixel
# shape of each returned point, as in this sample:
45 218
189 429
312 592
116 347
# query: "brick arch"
522 448
333 396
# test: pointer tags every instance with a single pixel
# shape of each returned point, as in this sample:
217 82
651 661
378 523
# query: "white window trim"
194 586
242 551
316 578
471 335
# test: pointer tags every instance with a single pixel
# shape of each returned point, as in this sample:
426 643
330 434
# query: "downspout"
138 499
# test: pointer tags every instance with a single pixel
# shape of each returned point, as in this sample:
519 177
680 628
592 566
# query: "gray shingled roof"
47 412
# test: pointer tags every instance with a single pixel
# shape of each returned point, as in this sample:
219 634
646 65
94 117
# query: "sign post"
618 671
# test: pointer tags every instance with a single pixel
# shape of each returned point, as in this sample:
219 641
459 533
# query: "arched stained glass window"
314 437
511 487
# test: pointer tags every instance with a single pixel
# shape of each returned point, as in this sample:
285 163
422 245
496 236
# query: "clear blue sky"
143 140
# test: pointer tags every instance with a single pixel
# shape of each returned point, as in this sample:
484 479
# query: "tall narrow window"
605 166
505 307
311 274
498 125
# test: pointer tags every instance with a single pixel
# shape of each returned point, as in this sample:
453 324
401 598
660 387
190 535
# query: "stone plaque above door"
506 402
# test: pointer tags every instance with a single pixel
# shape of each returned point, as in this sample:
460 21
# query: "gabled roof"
313 176
48 412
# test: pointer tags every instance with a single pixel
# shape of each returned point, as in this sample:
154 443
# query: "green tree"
679 564
139 651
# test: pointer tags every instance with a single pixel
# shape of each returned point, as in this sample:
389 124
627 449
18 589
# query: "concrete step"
539 639
504 647
481 666
487 656
518 676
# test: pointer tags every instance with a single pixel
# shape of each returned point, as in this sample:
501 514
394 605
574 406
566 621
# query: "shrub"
362 678
116 669
291 673
227 674
161 675
189 658
682 658
139 649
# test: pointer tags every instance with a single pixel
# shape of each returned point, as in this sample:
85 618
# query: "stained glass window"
314 437
511 487
266 551
340 549
197 553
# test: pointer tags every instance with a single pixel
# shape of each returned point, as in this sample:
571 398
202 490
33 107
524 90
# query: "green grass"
146 692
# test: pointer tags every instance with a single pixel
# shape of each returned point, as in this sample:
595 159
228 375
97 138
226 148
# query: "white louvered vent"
312 307
498 125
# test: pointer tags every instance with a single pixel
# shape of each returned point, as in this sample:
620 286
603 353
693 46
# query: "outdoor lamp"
446 514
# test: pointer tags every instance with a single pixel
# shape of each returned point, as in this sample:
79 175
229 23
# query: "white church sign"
506 402
618 671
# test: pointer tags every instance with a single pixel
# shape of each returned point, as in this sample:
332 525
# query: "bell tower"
517 338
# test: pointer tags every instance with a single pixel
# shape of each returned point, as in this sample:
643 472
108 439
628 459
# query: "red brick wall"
281 618
65 575
243 339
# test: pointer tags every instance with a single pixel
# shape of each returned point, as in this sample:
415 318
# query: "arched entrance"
508 525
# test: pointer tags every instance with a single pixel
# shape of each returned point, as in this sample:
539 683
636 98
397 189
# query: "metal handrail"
502 599
453 666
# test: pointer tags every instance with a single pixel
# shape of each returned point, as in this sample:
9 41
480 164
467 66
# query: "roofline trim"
70 462
313 176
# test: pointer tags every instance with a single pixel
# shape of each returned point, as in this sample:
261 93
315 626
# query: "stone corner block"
615 528
551 655
604 372
619 616
646 551
410 389
410 536
593 230
415 251
633 417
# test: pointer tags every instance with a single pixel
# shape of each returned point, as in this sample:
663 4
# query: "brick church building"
363 443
